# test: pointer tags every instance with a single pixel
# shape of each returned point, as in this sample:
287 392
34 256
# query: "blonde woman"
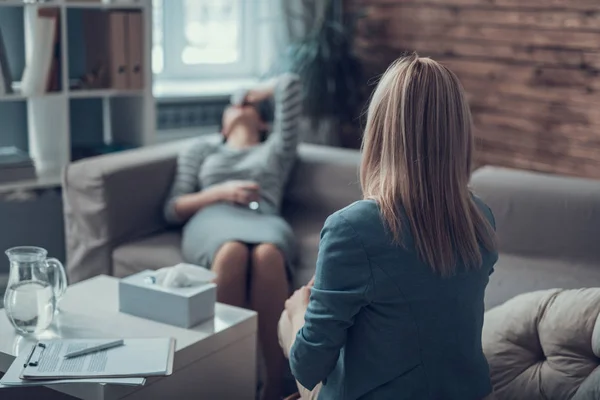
396 310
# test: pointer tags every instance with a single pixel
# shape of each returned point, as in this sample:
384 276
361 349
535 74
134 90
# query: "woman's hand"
257 95
297 304
239 192
261 92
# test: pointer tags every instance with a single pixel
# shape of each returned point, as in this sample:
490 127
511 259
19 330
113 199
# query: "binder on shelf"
135 50
117 33
114 43
5 75
95 33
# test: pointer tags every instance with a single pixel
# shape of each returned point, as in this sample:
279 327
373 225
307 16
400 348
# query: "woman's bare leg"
231 267
287 335
268 292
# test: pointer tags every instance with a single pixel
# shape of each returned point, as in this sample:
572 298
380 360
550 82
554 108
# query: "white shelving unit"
55 123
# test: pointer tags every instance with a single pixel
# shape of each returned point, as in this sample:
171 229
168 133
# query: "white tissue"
183 275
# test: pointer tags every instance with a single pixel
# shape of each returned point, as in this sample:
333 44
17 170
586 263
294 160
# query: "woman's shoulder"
484 209
202 146
358 215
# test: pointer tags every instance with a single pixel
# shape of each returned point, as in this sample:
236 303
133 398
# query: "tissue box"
184 307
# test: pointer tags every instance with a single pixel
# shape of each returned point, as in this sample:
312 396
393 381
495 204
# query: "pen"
94 349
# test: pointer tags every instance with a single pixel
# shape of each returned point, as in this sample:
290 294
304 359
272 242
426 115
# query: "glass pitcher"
35 284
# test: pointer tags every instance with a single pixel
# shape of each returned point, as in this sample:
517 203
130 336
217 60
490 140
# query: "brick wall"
530 67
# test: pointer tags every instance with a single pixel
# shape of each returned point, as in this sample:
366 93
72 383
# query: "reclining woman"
396 309
228 196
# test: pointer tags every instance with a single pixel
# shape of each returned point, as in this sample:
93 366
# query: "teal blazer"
382 325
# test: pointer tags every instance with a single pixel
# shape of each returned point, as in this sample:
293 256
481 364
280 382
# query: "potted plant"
330 72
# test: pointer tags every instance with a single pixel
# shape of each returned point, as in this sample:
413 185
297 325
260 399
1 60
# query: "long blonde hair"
417 157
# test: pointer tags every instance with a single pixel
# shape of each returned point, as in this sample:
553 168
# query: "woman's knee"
268 263
233 249
267 252
231 255
266 257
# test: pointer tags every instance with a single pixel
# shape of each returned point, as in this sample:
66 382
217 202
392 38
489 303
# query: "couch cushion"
307 224
324 178
152 252
590 388
540 214
539 344
515 275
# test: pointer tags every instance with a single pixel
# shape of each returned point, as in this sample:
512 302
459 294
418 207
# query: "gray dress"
208 163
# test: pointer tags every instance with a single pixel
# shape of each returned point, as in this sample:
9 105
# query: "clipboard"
12 376
136 358
34 362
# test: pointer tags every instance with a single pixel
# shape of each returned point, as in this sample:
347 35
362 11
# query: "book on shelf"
40 31
5 75
41 60
15 165
13 156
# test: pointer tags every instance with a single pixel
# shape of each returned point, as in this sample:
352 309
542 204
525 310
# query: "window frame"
173 43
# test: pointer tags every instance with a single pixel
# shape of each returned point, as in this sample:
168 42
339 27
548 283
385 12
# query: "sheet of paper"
137 357
11 378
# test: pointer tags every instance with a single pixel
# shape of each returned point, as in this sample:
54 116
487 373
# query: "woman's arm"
239 192
287 93
186 179
185 206
288 110
342 287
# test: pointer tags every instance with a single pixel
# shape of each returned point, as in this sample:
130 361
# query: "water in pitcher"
30 306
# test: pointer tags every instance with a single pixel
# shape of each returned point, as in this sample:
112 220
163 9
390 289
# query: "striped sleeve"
288 109
186 180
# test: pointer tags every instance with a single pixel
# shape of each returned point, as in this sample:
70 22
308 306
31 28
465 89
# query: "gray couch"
548 226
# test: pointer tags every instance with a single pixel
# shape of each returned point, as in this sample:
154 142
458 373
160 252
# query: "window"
204 39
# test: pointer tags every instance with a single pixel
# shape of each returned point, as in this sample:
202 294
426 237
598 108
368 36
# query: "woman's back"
417 335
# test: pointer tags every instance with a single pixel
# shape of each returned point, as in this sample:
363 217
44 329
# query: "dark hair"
266 112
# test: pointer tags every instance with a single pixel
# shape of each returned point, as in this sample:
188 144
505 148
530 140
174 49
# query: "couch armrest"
112 199
542 215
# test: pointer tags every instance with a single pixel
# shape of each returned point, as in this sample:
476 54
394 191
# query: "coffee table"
214 360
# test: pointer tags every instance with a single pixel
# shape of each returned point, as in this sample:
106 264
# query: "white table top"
90 309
